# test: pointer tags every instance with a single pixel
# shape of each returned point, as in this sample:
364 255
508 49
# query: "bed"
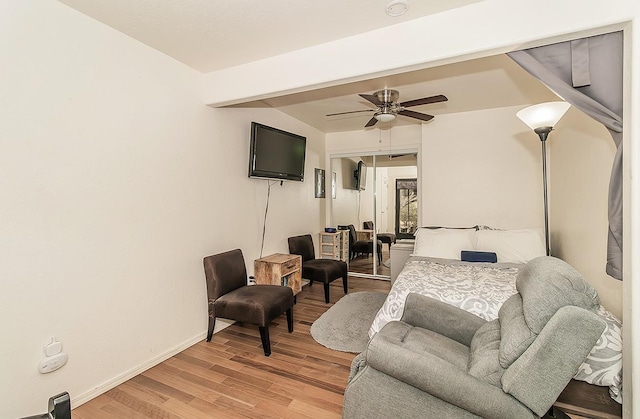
436 270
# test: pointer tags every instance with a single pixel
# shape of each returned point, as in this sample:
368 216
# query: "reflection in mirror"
374 203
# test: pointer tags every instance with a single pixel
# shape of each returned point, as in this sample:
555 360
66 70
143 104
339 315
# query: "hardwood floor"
230 377
364 264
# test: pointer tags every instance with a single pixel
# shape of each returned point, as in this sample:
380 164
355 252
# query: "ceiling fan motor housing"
387 95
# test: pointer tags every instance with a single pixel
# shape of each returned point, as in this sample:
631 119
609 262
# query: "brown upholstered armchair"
362 246
388 238
231 298
320 270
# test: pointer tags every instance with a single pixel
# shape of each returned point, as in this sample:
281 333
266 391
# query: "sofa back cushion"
547 284
515 334
484 354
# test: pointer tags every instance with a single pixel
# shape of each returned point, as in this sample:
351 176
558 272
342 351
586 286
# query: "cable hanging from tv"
266 211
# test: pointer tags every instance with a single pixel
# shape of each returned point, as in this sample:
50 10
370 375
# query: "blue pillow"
472 256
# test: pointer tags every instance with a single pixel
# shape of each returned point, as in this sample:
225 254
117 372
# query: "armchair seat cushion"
257 304
324 270
388 238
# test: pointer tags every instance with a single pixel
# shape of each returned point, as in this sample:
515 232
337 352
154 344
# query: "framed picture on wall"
319 182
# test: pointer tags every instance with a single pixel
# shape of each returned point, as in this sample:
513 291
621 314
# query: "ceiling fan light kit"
386 102
384 117
397 8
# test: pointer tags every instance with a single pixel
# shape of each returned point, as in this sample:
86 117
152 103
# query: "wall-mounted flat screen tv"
361 176
276 154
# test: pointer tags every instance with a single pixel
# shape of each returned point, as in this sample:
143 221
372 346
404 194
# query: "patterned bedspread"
479 288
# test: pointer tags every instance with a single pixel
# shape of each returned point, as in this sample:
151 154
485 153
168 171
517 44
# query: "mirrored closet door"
364 199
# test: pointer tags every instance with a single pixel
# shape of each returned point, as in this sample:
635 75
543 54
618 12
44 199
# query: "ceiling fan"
388 108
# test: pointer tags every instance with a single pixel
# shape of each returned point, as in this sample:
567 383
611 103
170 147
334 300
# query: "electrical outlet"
52 363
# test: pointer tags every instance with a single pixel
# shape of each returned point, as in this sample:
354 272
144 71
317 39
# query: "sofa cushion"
484 354
546 284
421 341
516 336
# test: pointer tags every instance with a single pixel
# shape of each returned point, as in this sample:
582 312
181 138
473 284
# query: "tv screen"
276 154
361 176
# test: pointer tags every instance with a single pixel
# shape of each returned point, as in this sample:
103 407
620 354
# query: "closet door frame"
329 207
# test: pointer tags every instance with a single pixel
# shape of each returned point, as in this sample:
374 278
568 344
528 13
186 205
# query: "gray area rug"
345 326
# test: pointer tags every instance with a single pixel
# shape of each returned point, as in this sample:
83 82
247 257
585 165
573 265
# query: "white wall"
345 206
115 181
481 168
582 153
365 207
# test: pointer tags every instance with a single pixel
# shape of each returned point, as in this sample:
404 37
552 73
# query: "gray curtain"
587 73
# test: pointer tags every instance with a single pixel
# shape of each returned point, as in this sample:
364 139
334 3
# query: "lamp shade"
543 115
384 117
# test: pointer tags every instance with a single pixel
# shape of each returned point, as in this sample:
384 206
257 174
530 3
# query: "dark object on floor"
442 361
59 408
357 247
388 238
231 298
320 270
555 413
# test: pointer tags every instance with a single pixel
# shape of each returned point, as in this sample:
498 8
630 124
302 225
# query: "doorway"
406 208
364 195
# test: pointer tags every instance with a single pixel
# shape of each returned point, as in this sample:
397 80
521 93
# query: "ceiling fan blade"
344 113
372 99
416 115
371 122
424 101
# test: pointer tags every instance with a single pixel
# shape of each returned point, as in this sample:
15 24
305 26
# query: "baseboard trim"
116 381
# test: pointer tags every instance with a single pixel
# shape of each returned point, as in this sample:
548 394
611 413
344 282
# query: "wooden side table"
279 269
588 400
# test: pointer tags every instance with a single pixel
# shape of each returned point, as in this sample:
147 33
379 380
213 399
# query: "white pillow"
443 242
516 246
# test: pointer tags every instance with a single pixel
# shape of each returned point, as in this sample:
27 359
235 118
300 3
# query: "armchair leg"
326 293
212 325
344 284
290 319
266 343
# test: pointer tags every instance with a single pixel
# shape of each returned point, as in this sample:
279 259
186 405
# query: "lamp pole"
543 133
541 118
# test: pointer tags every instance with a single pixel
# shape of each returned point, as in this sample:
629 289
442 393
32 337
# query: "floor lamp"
541 119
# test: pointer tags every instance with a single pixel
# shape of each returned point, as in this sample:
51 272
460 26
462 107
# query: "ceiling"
208 35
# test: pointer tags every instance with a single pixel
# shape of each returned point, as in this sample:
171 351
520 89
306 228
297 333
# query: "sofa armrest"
450 383
540 374
442 318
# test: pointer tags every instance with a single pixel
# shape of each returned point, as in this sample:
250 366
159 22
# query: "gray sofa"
443 362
